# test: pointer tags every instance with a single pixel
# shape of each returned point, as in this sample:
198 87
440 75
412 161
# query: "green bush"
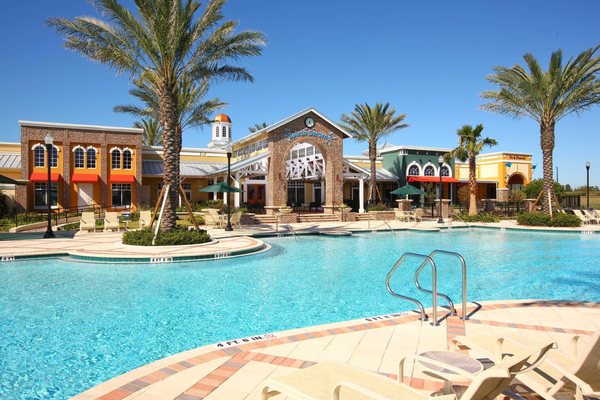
378 207
483 217
534 219
179 236
565 220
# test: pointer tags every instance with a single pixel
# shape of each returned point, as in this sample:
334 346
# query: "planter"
346 209
285 210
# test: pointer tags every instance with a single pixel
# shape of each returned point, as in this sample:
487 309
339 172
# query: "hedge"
179 236
541 219
483 217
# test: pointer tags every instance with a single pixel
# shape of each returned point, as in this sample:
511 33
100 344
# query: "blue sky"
428 59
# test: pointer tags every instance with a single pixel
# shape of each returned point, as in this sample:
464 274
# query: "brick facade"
280 146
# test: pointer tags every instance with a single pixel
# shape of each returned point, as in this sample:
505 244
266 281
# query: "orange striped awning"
84 178
43 177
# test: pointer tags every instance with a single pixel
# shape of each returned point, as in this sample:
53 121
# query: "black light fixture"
440 163
587 185
48 139
229 151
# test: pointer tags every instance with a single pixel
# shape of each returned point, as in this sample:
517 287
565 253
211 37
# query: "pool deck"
237 369
244 240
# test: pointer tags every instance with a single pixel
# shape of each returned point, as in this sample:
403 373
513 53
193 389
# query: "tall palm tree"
193 110
546 97
152 135
163 42
470 144
257 127
369 124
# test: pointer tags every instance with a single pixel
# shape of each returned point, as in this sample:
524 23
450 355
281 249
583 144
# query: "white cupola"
221 132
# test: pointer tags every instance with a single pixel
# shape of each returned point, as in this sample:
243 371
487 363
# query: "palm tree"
257 127
152 135
369 125
193 111
470 144
161 44
546 97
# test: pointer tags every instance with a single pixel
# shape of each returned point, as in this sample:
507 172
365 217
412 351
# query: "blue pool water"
67 326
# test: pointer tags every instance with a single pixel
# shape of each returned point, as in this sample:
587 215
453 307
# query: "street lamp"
229 151
587 185
440 162
48 139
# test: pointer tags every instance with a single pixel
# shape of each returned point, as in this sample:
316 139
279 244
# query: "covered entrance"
85 194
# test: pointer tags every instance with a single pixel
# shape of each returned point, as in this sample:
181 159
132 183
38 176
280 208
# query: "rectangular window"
54 158
310 151
121 194
41 194
301 152
294 154
187 189
91 158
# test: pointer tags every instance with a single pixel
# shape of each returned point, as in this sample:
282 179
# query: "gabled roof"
244 163
187 168
381 174
10 160
288 119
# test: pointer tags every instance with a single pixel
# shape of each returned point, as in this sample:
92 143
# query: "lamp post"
48 139
229 151
440 162
587 185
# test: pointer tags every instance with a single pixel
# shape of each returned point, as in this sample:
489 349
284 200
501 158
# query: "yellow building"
497 174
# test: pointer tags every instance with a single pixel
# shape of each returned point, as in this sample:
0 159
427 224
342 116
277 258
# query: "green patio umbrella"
10 181
221 187
407 190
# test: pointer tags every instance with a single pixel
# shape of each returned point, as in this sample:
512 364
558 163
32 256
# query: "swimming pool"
66 326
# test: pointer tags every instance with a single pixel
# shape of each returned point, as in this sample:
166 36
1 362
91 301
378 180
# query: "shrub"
483 217
565 220
180 236
534 219
378 207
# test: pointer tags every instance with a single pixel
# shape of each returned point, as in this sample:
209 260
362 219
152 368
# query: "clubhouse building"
298 161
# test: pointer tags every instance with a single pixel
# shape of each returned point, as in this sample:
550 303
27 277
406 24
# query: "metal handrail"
464 282
293 231
465 222
389 227
426 259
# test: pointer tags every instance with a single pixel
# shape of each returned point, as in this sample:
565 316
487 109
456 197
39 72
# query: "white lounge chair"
145 218
333 380
111 221
576 373
591 215
87 222
584 218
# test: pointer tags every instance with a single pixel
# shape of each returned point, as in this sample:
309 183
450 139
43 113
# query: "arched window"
38 156
78 157
54 157
225 131
413 170
91 157
445 171
216 131
115 156
127 159
429 171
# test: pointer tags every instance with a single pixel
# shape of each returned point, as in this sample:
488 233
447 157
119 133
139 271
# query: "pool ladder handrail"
464 222
463 264
426 260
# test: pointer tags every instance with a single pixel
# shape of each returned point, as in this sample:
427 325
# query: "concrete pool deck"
237 369
245 240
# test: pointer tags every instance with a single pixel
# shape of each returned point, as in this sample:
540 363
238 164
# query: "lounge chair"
145 218
576 373
584 218
111 221
591 215
87 222
338 381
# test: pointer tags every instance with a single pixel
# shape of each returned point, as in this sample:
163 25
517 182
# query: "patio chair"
401 215
145 218
210 220
338 381
111 221
418 215
584 218
576 373
591 215
87 222
236 219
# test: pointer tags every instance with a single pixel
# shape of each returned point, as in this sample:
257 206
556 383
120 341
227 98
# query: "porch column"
236 196
361 195
225 193
214 195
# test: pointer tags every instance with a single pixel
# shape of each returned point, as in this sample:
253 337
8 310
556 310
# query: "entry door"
255 195
85 194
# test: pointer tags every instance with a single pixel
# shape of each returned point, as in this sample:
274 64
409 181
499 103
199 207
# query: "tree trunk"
373 178
171 150
547 142
472 185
